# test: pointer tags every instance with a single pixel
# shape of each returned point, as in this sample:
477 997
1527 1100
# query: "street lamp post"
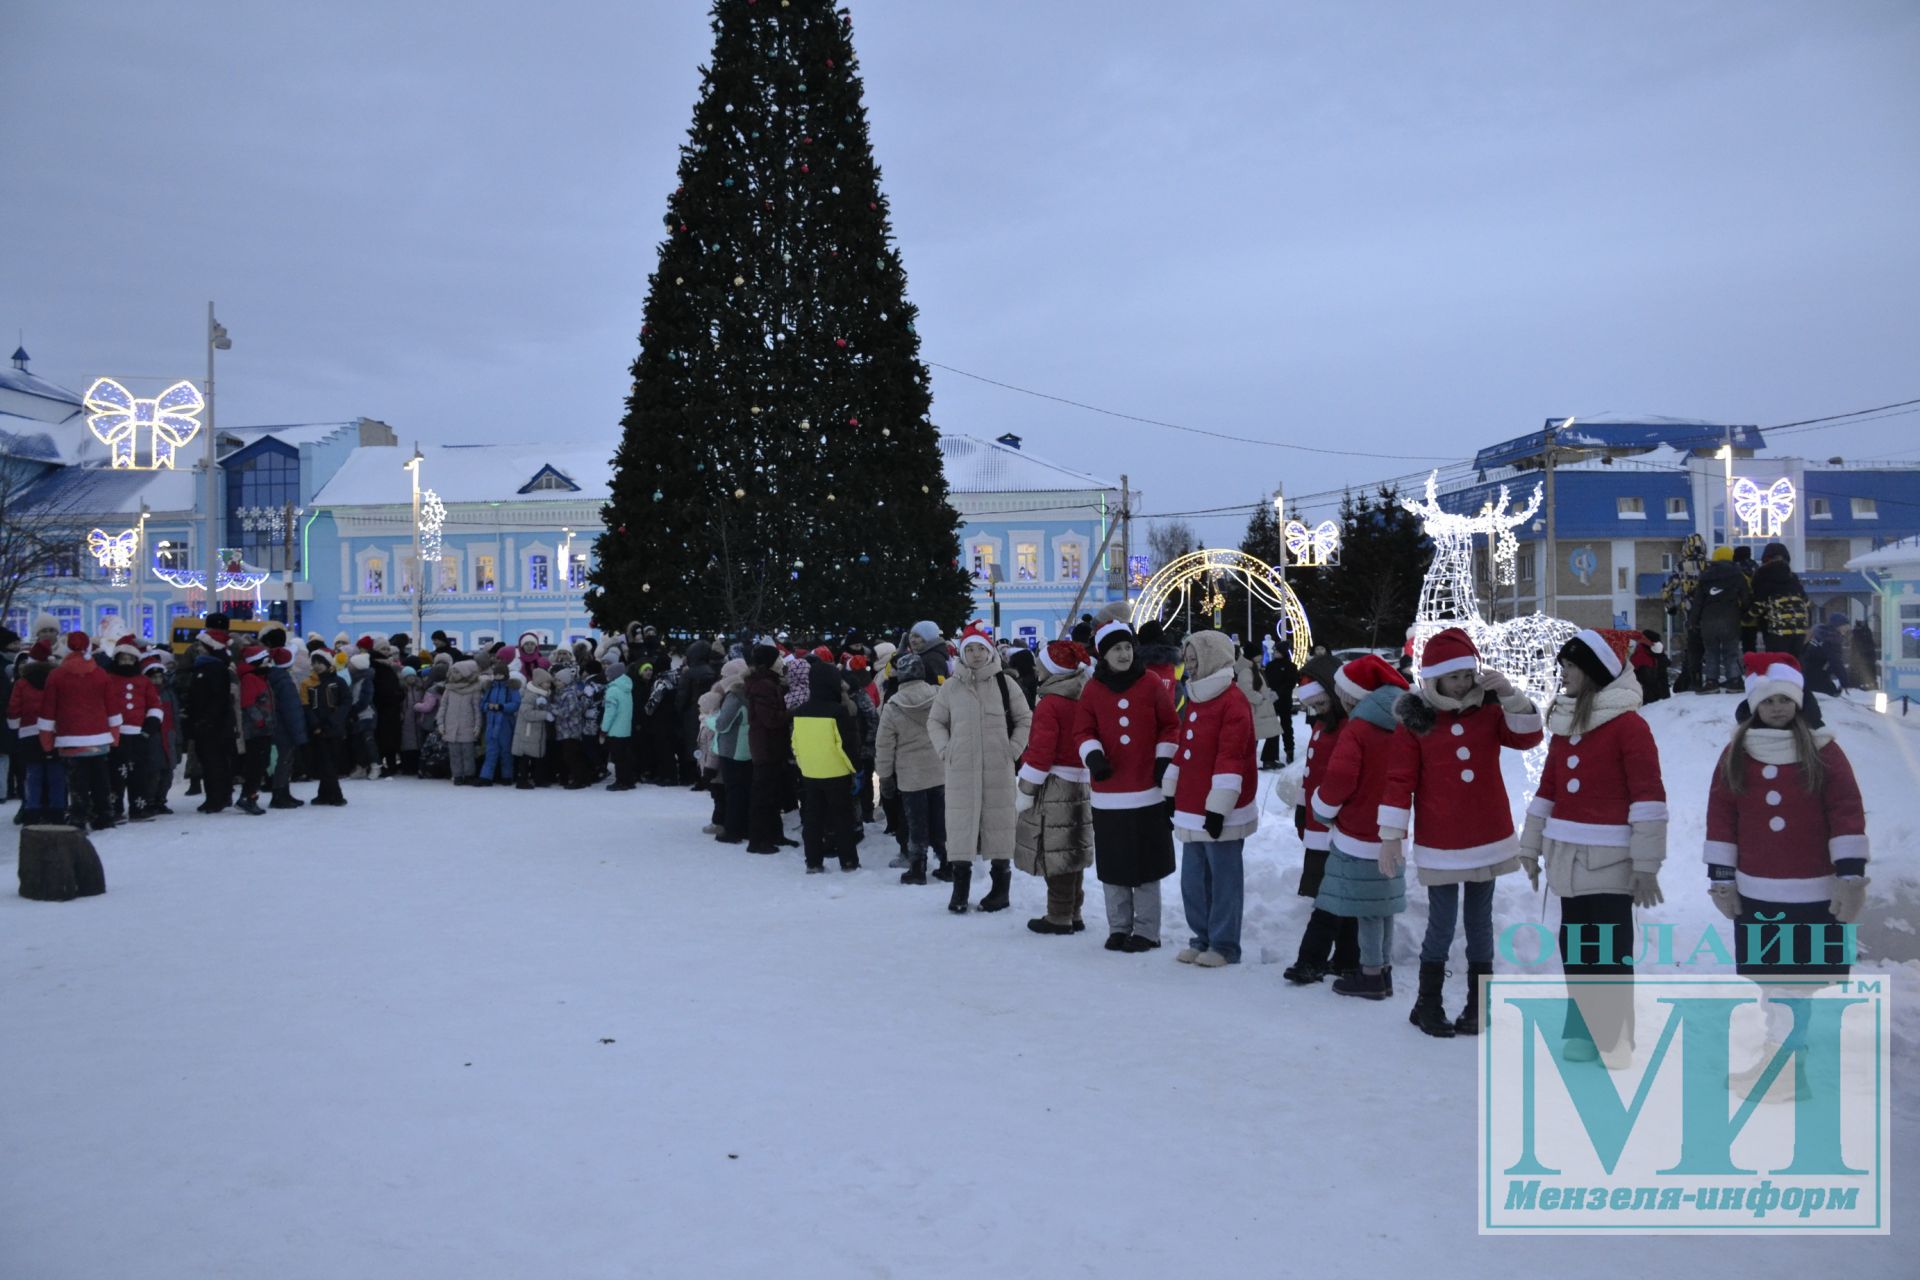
140 569
217 340
566 584
412 467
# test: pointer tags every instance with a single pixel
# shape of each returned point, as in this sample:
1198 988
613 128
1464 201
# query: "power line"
1805 423
1174 426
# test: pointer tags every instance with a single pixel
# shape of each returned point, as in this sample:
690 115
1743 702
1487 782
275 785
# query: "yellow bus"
186 631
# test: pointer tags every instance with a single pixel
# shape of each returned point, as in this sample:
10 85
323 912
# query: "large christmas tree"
778 466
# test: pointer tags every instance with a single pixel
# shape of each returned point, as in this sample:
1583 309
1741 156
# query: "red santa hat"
1594 655
1063 657
154 661
857 662
1449 651
1366 673
365 643
824 654
282 657
975 634
1771 673
127 648
1308 688
41 652
214 638
77 641
254 654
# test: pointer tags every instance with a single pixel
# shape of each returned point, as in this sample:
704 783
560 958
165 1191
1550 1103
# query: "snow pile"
466 1034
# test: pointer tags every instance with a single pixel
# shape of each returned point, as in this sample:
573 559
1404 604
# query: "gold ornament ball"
739 493
646 586
924 489
679 279
804 424
829 497
886 431
739 280
756 409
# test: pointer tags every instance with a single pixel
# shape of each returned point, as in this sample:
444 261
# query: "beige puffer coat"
1266 720
902 749
458 716
969 729
1055 835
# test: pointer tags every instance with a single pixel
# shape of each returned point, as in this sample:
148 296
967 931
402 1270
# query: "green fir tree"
778 466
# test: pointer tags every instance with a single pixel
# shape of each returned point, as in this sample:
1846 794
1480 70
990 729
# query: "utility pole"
217 340
1549 571
1126 547
289 515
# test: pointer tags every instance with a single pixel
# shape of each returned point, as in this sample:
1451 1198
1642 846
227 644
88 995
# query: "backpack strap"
1006 702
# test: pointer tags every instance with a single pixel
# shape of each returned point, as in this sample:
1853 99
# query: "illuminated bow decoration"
113 551
1313 547
1763 511
116 416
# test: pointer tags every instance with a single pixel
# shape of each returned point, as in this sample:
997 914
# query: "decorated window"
449 571
373 576
1072 565
68 616
1026 560
1910 632
985 554
486 573
577 569
539 573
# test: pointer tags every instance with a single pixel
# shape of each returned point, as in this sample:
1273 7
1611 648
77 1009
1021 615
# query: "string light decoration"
236 576
1171 589
271 521
1764 512
114 552
1315 548
433 523
1525 648
118 418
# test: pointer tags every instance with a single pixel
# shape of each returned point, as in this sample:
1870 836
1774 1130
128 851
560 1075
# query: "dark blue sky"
1404 229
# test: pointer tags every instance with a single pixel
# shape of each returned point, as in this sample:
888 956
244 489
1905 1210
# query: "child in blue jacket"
499 708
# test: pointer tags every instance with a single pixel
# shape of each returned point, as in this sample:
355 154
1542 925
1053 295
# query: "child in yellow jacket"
821 729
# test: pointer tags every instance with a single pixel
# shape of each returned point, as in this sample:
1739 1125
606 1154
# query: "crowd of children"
1111 750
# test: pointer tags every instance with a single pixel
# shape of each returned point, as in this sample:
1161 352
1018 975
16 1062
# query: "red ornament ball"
853 422
806 169
872 205
840 342
623 528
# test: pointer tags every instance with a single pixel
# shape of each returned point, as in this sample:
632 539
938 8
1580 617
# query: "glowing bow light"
1763 511
236 576
117 418
113 552
1314 548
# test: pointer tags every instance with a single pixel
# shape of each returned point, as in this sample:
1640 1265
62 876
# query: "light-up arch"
1197 578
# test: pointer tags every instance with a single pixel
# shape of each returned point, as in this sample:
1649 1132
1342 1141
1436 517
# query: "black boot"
1428 1013
1000 877
1367 986
916 872
962 884
1468 1023
945 870
1310 964
193 786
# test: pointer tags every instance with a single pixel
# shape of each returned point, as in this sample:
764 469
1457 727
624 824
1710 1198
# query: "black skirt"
1787 947
1132 847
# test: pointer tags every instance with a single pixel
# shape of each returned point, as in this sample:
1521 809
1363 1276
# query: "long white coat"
979 749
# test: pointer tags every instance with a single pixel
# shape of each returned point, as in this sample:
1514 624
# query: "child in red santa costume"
1213 783
79 721
1364 876
1445 786
1054 839
1329 943
1599 822
1786 845
1123 733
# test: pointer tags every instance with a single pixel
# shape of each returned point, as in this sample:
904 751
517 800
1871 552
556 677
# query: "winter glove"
1167 807
1849 897
1392 857
889 787
1022 801
1215 823
1530 863
1160 769
1097 767
1646 889
1726 897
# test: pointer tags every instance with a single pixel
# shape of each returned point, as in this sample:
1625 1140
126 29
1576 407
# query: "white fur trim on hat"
1309 689
1597 643
1112 628
1777 678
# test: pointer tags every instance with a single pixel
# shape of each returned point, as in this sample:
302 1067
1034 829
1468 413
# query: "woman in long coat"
979 727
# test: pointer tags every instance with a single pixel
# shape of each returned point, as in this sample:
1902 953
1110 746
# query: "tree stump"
58 864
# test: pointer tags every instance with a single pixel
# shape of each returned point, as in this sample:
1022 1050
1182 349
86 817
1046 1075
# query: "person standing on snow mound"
1444 785
1364 876
1124 733
1786 845
1599 822
978 726
1214 786
1720 601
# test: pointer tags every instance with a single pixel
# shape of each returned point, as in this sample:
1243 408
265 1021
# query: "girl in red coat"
1599 820
1364 877
1123 733
1215 804
1446 788
1330 943
78 720
1054 839
1786 841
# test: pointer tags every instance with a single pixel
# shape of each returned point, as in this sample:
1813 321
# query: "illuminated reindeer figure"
1524 648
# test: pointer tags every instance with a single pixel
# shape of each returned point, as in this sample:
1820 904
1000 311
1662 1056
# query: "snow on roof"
26 438
973 465
373 475
32 384
1892 556
293 433
93 491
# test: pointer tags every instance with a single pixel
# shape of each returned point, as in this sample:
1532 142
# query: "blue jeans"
47 785
1443 903
926 821
1720 659
1213 887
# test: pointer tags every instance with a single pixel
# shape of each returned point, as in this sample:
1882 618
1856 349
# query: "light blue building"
1031 532
1894 571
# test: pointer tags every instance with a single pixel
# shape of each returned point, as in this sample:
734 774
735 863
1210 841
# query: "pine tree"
1370 597
778 466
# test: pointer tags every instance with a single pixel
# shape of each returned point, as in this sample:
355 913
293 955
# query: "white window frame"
475 555
1865 508
1038 547
1079 547
1819 508
1676 508
1630 507
992 545
1524 566
538 551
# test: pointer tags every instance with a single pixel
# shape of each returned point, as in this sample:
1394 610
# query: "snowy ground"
474 1034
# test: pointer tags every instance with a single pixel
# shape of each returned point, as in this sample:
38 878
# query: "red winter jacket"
1784 843
23 708
78 711
1051 749
1348 799
137 701
1444 782
1133 728
1315 834
1216 761
1598 783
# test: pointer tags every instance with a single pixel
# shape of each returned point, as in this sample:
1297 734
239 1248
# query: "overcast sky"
1405 229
